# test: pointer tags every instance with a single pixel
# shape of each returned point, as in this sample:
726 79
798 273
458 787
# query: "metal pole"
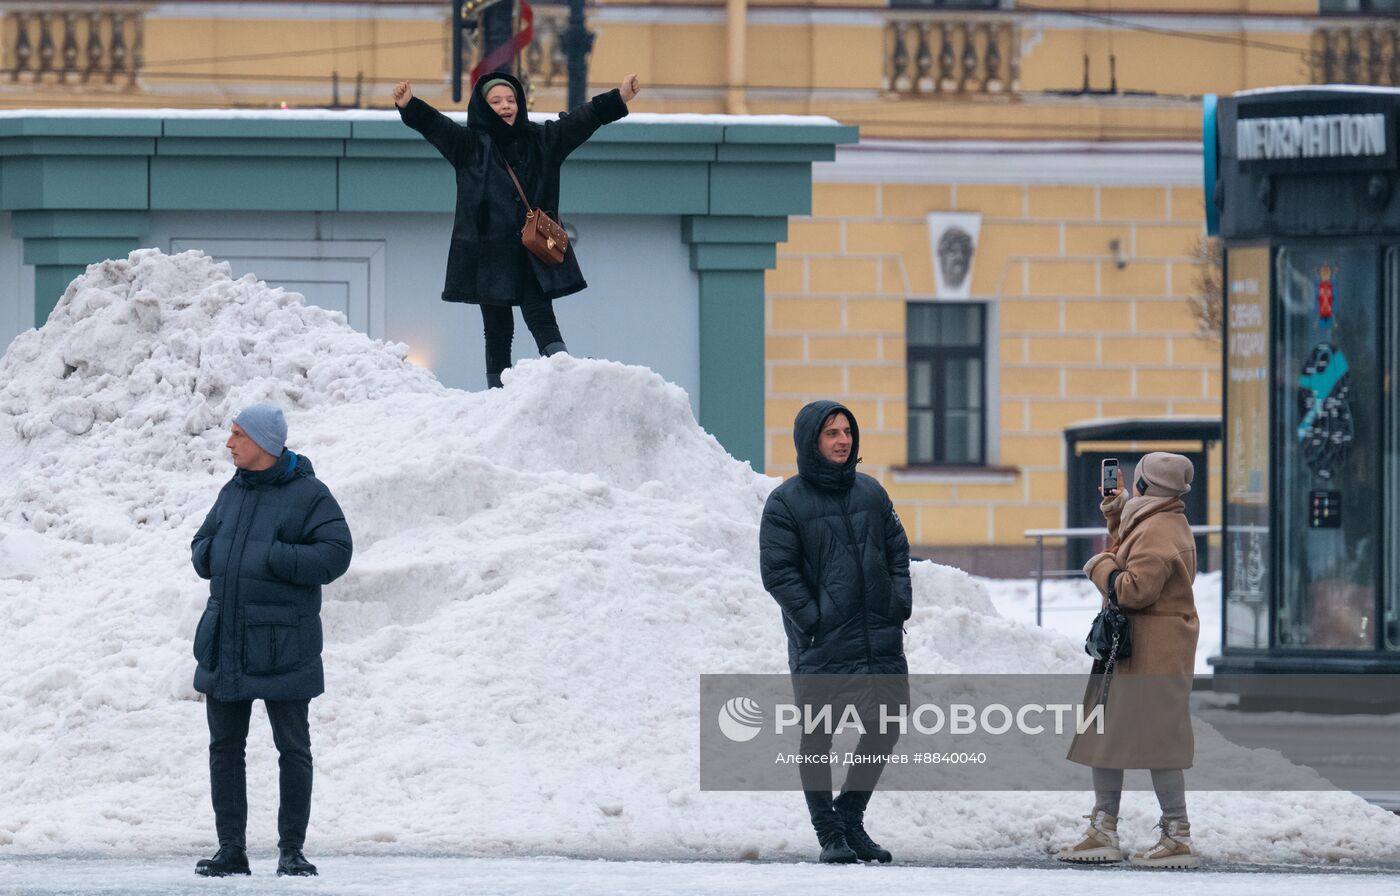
1039 574
577 41
497 26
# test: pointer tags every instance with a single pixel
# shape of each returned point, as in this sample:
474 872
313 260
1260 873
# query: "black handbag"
1110 636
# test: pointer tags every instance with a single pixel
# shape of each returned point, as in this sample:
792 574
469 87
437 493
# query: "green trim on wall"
51 223
77 146
81 190
660 188
272 147
257 128
731 361
403 185
50 282
84 126
75 251
733 229
229 184
73 182
732 256
755 188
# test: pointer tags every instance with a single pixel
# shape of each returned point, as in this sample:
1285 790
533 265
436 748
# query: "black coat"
835 557
486 264
272 539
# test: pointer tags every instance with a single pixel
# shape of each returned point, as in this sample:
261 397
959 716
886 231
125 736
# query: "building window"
947 356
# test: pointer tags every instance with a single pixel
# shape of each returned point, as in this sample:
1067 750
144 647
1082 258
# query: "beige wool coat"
1147 717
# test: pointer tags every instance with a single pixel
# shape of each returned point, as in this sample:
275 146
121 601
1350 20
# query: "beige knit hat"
1166 475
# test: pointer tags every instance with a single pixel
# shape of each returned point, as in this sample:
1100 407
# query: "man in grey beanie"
273 538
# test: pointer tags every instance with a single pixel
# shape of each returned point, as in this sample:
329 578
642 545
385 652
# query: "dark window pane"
964 437
960 325
922 323
921 437
921 384
964 385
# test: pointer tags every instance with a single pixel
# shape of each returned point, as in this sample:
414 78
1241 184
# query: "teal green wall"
80 189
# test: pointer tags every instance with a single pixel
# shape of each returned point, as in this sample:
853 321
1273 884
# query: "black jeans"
228 735
499 324
874 746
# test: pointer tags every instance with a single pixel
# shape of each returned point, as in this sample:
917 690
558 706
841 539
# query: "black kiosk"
1306 186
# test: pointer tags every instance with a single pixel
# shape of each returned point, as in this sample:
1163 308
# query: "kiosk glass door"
1328 432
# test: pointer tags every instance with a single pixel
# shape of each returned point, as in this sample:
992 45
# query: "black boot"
554 348
851 807
493 381
228 860
293 864
836 851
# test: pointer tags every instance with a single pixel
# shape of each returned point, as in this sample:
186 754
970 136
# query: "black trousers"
499 324
228 782
874 746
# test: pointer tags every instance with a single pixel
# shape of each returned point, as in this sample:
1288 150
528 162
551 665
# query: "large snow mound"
541 574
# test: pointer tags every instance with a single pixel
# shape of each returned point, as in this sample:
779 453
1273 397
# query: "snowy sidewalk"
352 876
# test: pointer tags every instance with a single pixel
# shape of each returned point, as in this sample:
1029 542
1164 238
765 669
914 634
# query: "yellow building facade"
1061 137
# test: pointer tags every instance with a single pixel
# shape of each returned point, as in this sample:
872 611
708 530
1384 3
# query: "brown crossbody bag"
541 235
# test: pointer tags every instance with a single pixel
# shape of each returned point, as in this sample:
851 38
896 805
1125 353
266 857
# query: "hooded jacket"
486 263
269 543
834 555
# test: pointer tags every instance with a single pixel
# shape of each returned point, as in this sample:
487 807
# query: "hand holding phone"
1110 479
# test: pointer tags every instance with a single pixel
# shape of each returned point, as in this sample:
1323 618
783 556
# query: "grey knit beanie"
265 425
1166 475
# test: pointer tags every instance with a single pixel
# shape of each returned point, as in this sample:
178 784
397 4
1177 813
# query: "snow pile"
541 574
142 363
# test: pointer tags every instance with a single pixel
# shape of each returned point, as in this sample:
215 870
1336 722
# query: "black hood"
811 466
481 116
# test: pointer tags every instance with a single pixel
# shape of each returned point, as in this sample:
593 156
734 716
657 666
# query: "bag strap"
515 181
1113 586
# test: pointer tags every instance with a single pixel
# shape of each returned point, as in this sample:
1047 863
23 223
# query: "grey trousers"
1170 784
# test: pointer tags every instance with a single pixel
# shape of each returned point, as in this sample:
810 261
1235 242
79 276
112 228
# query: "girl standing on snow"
1148 571
487 265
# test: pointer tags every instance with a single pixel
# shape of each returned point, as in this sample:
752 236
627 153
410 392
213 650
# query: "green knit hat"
487 84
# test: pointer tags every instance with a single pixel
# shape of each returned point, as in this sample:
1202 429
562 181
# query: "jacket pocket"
271 639
206 637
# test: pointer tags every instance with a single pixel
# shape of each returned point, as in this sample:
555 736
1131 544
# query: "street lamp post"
577 42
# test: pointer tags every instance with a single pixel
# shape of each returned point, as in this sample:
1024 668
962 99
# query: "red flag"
508 50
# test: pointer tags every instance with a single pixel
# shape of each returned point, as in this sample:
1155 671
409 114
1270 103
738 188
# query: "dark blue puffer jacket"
272 539
835 557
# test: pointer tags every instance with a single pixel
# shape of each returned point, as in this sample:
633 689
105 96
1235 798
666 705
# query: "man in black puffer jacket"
273 538
835 557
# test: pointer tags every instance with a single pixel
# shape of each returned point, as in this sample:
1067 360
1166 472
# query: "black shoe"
866 850
555 348
293 864
835 851
228 860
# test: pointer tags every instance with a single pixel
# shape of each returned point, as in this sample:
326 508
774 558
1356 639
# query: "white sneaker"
1174 850
1100 843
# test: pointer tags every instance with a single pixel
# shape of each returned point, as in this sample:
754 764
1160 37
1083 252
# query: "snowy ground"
354 876
541 575
1069 605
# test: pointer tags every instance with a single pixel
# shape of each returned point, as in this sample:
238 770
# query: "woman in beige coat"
1148 570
